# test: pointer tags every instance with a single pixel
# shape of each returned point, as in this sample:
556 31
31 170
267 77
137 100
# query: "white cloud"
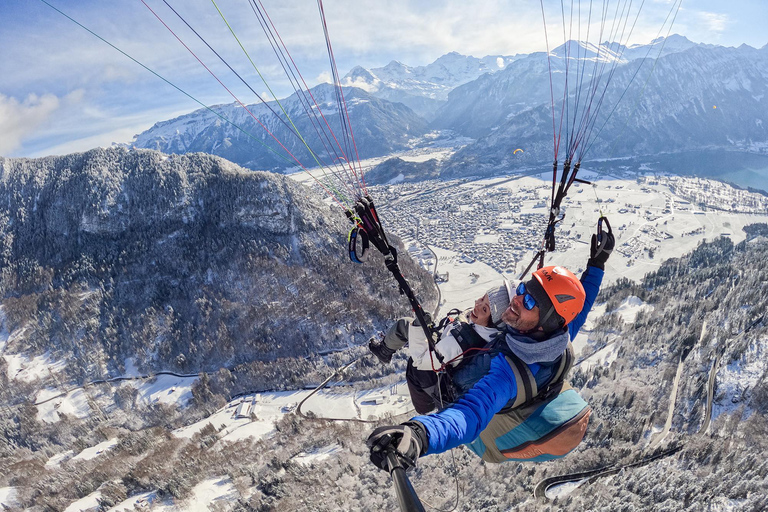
713 21
324 78
20 119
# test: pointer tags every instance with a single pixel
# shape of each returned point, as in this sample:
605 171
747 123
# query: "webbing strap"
566 362
367 222
527 389
525 381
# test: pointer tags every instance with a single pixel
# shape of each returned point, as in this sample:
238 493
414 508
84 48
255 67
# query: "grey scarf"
532 351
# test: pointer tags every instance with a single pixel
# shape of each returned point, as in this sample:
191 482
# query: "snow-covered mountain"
703 97
379 127
218 263
698 96
481 106
424 88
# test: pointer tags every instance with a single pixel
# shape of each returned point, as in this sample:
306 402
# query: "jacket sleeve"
591 280
462 422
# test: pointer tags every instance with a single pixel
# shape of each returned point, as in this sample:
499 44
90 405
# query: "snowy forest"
70 281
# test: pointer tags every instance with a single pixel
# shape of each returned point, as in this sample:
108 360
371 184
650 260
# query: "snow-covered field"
80 402
8 497
254 415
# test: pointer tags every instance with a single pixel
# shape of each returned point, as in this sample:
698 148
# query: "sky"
64 89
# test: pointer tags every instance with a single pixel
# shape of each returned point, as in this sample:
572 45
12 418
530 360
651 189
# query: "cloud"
20 119
324 78
713 21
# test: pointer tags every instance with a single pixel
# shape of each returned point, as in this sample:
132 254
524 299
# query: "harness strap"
526 383
367 223
528 391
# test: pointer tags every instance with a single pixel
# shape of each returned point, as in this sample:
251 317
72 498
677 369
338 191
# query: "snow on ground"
74 403
95 451
605 356
166 389
25 369
235 423
4 334
130 368
8 497
204 495
309 458
143 500
723 504
737 378
562 490
582 343
644 216
59 458
90 502
630 307
468 280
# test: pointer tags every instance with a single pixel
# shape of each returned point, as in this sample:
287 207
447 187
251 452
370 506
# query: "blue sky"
63 90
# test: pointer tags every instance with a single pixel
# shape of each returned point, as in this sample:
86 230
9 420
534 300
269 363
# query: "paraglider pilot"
541 316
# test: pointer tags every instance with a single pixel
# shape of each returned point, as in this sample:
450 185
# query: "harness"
528 391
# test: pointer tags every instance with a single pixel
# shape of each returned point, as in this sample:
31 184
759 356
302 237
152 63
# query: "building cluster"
503 228
484 224
711 194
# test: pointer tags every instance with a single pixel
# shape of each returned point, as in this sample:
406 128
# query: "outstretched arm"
590 280
463 422
600 249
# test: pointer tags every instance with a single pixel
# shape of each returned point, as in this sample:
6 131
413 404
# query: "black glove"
408 440
602 245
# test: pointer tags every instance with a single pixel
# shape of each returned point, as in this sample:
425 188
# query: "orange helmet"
564 291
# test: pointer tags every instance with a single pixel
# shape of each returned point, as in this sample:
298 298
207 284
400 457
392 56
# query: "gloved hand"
408 440
602 245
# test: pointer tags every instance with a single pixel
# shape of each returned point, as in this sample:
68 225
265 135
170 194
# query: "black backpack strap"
467 337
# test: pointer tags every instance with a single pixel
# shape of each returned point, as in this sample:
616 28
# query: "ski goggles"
528 301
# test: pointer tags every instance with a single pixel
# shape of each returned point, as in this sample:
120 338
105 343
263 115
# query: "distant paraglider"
518 150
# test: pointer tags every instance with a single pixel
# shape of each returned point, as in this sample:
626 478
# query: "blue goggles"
528 301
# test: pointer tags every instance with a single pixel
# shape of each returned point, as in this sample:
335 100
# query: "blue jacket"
462 422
